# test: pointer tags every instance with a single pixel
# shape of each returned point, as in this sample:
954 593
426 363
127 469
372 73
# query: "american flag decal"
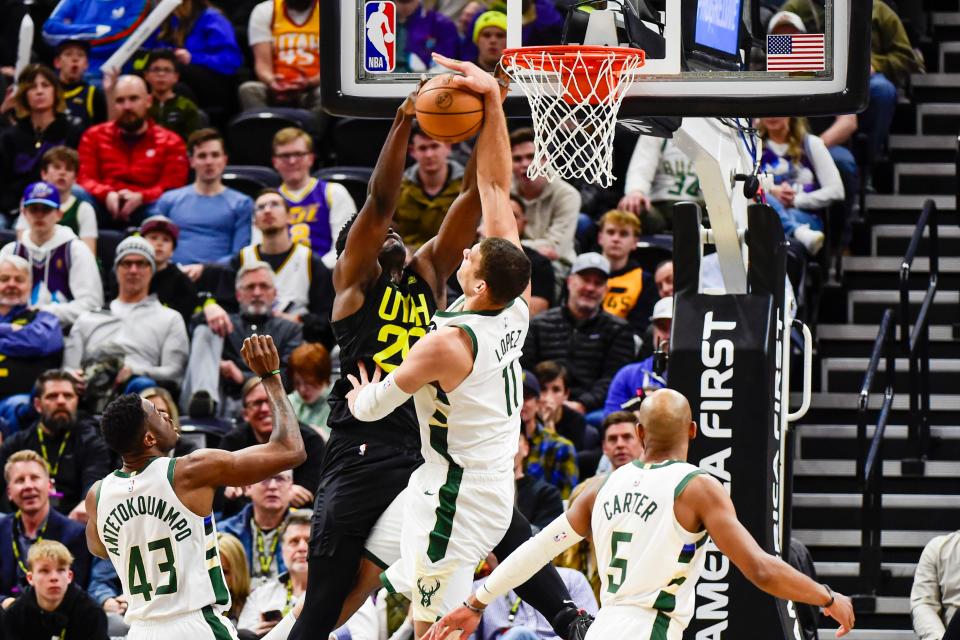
795 52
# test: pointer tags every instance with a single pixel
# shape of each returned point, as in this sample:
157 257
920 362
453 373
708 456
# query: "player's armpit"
94 544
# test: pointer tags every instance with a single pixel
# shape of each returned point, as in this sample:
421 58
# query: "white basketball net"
574 106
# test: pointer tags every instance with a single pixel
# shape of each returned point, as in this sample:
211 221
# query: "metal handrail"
916 342
870 454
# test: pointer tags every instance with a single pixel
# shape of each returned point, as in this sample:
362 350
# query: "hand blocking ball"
447 113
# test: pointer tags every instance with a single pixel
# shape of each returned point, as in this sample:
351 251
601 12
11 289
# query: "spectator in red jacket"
129 162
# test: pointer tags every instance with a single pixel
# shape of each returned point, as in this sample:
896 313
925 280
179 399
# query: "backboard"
703 57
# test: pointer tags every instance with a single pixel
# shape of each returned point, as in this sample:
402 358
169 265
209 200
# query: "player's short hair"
49 550
301 517
505 268
291 134
64 155
311 361
54 375
622 218
617 417
161 54
123 423
549 370
201 136
24 455
520 136
341 243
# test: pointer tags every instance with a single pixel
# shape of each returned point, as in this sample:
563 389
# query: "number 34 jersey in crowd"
166 555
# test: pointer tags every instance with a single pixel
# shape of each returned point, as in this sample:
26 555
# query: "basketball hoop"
574 93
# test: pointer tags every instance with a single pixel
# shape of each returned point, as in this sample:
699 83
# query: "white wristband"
377 401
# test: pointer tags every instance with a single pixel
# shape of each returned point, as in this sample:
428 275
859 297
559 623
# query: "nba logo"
380 29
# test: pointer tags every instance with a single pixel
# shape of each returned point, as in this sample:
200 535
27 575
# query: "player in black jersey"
382 307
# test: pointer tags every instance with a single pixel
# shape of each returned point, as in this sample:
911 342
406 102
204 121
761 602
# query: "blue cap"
42 193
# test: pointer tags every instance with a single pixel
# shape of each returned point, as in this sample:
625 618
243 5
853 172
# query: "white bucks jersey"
476 426
644 556
165 555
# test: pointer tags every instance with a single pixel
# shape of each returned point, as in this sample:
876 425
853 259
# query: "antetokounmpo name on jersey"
630 502
132 508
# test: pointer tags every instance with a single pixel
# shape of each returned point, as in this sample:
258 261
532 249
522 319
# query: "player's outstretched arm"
561 534
711 504
94 543
284 450
444 356
358 263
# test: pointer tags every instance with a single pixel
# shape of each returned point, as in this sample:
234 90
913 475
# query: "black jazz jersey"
393 317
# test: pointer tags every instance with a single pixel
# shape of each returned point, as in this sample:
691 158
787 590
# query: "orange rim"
592 56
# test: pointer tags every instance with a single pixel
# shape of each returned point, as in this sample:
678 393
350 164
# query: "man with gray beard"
216 372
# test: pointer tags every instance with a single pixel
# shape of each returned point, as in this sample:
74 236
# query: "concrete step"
856 340
942 87
849 432
890 501
937 118
905 209
911 539
920 148
925 178
949 57
846 374
891 468
883 272
870 634
867 306
894 239
852 569
945 25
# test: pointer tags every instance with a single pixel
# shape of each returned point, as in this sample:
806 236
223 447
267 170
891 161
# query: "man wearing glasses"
318 209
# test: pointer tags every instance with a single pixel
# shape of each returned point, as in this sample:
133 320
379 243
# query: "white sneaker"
811 240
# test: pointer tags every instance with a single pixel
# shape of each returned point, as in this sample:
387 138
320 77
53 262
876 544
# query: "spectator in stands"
214 220
31 340
259 526
216 367
552 208
805 178
309 371
490 38
510 618
659 175
69 445
107 592
174 112
420 32
151 339
542 21
28 489
281 593
538 501
631 291
55 605
663 277
206 51
317 208
256 428
86 104
103 24
59 167
285 38
638 379
552 457
236 573
892 60
66 280
935 596
172 286
555 415
429 187
590 343
127 163
40 124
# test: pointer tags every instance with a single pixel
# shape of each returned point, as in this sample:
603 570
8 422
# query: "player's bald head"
131 83
665 417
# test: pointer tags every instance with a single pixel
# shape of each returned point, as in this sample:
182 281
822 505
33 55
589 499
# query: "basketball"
446 113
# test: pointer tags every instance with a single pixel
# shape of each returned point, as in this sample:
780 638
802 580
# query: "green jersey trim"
173 463
220 631
686 480
656 465
385 581
473 338
374 559
660 626
440 535
491 312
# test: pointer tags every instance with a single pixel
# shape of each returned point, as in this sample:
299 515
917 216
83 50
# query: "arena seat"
107 241
250 179
355 179
250 134
652 250
7 236
358 141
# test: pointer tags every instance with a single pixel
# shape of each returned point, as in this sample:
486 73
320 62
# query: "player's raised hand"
842 611
359 384
474 78
261 355
461 618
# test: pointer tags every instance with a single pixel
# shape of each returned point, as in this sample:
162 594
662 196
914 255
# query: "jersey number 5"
137 574
617 562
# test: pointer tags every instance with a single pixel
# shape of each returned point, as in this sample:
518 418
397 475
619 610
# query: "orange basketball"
446 113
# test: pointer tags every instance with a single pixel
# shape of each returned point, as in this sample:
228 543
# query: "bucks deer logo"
426 595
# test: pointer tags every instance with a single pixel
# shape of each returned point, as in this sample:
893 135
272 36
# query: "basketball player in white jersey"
649 523
465 378
153 518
